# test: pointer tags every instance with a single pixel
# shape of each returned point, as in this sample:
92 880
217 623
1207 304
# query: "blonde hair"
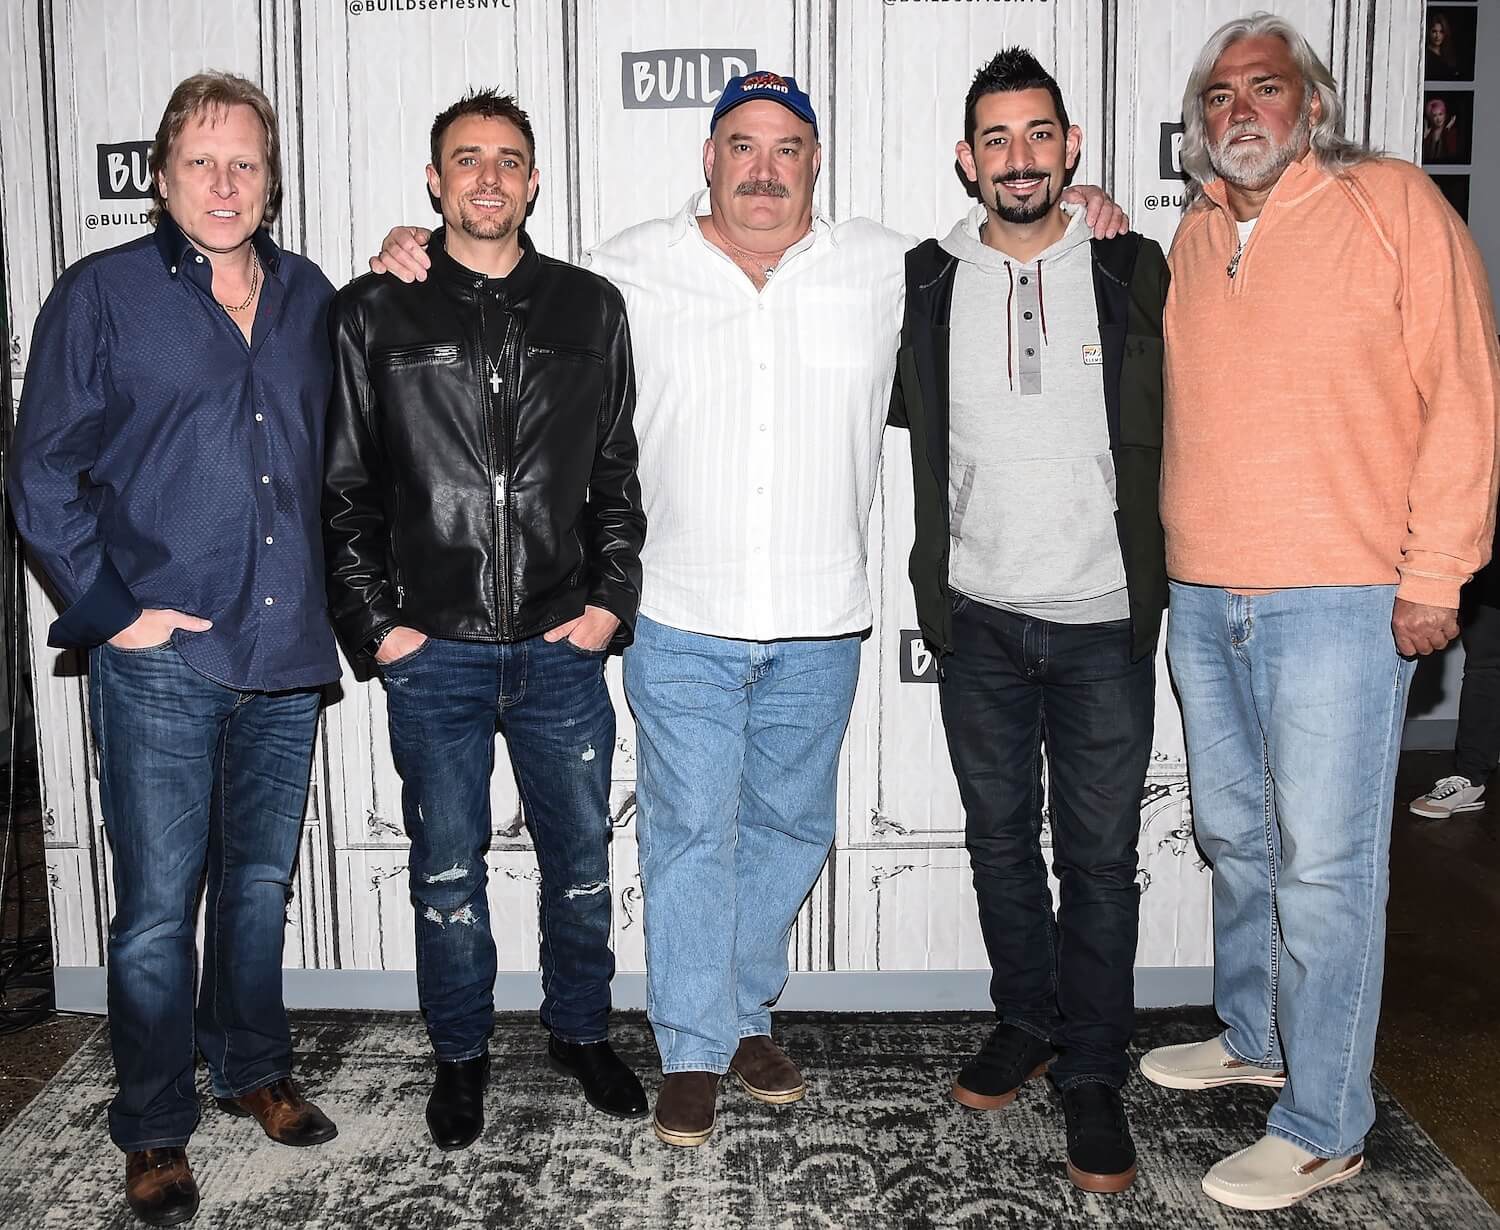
214 91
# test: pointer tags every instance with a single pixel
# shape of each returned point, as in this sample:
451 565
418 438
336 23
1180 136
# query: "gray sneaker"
1275 1174
1449 795
1203 1065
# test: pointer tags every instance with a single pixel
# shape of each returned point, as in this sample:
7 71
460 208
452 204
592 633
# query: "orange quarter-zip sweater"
1332 409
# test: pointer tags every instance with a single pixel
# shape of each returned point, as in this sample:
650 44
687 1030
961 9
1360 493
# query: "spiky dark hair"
489 104
1011 70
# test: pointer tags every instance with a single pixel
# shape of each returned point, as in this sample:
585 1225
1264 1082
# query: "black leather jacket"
480 473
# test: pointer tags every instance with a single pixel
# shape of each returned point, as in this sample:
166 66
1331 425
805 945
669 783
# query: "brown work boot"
685 1108
159 1186
287 1117
765 1071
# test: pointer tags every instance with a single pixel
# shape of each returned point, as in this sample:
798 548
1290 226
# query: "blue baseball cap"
771 86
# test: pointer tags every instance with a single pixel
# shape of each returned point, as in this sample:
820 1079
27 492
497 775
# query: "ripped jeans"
445 702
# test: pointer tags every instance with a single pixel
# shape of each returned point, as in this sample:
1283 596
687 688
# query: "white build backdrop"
619 92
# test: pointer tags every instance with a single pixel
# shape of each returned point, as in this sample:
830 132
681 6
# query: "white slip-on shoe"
1204 1065
1274 1173
1448 795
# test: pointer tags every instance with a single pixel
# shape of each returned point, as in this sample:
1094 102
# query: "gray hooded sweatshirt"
1031 481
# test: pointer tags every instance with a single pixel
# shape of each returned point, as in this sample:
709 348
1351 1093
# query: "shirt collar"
515 284
697 205
1294 183
174 245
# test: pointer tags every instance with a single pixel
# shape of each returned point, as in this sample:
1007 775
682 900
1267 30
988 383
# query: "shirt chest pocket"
564 376
404 378
838 330
401 357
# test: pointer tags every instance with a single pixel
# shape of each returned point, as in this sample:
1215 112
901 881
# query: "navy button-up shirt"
160 461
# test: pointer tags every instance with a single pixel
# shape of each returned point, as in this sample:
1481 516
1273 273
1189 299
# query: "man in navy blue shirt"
166 474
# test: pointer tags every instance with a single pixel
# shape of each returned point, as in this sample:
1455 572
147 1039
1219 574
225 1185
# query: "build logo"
680 77
124 171
1171 152
917 663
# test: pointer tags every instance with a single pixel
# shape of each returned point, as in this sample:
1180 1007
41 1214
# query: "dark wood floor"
1440 1031
1440 1023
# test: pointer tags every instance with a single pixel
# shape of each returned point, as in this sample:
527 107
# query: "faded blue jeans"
195 776
1293 704
445 701
737 746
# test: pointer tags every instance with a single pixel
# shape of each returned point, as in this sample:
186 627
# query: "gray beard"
1253 172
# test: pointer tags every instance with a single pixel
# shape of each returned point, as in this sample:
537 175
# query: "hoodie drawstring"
1041 301
1009 358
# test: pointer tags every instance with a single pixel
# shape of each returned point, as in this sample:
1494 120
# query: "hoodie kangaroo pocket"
1036 530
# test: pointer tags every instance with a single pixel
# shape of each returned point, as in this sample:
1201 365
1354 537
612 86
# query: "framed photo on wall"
1450 42
1447 127
1456 189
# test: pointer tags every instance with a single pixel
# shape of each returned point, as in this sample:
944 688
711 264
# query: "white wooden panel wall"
619 135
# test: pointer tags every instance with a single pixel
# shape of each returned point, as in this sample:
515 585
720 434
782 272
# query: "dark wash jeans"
1012 685
195 775
550 701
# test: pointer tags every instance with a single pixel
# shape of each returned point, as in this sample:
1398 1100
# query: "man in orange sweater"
1328 485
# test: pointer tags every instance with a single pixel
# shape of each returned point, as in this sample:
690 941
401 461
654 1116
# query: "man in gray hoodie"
1030 378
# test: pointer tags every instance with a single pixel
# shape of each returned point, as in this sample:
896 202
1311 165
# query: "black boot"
1009 1058
1101 1155
608 1084
455 1111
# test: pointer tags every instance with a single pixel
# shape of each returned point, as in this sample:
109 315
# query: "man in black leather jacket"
483 527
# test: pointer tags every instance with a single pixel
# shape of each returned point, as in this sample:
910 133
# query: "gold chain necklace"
254 285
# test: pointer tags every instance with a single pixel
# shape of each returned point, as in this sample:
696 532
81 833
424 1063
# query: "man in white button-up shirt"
769 334
765 338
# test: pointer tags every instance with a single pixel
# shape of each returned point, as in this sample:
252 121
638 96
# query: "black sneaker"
1009 1059
1101 1155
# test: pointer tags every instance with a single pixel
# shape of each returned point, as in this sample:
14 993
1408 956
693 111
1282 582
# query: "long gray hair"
1334 151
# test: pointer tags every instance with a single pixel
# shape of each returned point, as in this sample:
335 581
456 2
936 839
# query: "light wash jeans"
737 746
1293 703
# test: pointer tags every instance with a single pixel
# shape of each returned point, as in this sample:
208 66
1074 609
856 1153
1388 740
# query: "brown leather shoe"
287 1117
159 1186
765 1071
685 1108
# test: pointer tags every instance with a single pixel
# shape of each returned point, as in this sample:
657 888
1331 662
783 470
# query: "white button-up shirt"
759 416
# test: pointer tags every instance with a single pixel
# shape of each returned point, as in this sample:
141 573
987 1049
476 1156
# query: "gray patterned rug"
876 1143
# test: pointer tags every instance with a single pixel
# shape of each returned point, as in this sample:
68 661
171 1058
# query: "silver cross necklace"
494 375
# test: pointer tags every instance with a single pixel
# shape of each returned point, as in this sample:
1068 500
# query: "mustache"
1011 177
763 187
1242 129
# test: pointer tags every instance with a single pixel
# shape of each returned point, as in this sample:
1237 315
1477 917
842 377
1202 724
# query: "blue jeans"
550 701
1293 704
1012 684
193 774
737 746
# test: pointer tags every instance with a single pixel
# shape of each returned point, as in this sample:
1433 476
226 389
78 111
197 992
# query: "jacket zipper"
1236 264
497 437
395 554
510 360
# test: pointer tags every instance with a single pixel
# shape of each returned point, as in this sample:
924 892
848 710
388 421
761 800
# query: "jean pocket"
581 651
406 657
957 601
166 644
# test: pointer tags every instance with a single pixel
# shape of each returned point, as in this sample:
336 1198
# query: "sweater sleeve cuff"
107 607
1430 590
